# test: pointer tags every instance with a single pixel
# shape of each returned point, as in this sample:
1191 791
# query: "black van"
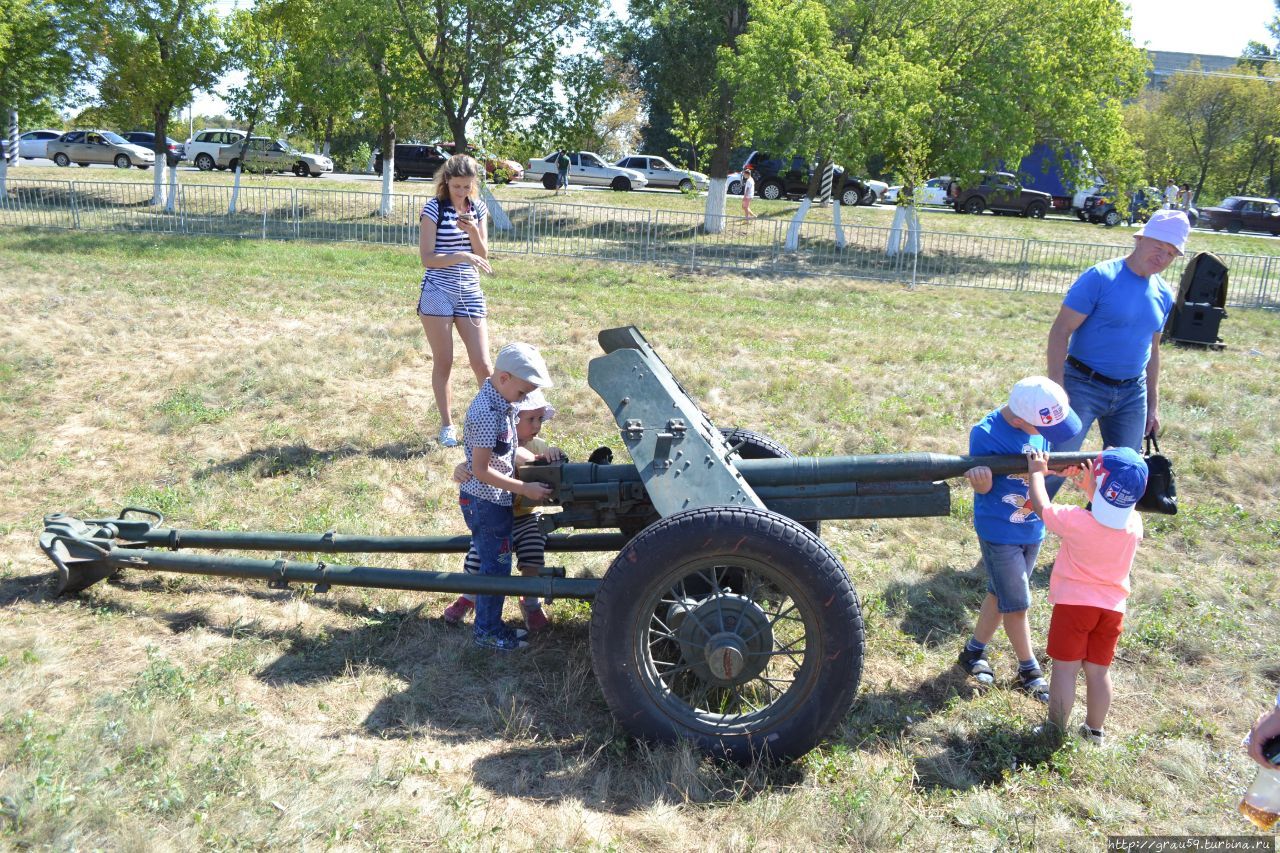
777 178
413 161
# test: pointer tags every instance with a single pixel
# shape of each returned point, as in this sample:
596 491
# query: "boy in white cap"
486 496
527 538
1009 532
1090 579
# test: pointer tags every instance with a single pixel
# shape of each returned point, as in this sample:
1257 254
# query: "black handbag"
1161 495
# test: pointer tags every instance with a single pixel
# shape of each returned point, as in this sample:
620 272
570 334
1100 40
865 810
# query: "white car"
933 192
265 154
660 173
33 143
877 187
202 149
585 167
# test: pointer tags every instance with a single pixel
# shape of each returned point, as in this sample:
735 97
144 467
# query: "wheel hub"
725 639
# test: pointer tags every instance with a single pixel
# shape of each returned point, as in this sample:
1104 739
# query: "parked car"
1111 208
1244 213
35 143
202 149
148 140
1081 196
83 147
265 154
1000 192
413 160
661 173
586 167
499 170
777 178
935 191
878 189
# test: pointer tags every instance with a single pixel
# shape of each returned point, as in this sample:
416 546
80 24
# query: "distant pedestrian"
1185 197
748 191
1171 194
562 171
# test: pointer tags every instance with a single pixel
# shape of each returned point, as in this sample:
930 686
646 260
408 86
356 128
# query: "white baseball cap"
525 362
1041 402
1168 226
536 400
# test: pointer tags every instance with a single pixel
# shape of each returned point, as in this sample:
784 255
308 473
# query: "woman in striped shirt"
454 245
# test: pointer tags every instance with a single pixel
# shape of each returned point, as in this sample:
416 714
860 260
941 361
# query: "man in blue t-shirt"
1104 347
1009 531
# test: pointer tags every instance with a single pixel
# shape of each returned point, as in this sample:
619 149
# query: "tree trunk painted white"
173 190
501 222
388 175
714 220
835 222
904 233
793 230
4 176
235 191
157 181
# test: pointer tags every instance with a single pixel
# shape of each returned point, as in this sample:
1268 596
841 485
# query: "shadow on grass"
941 608
278 460
984 757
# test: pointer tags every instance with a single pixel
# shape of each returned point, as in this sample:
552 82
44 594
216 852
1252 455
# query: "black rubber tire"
397 175
772 189
234 162
770 569
1111 218
621 184
83 165
868 198
300 169
686 185
61 159
549 181
122 161
1234 227
850 197
142 166
1080 214
1036 210
205 162
975 205
754 445
734 188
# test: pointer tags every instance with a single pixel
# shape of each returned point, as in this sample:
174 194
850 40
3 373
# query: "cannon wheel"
735 628
753 445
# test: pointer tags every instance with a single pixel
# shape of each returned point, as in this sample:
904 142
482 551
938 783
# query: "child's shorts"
528 541
1009 570
1081 632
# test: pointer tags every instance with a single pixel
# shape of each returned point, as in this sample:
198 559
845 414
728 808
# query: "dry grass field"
285 386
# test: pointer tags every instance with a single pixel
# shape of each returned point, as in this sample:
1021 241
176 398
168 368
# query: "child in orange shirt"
1090 579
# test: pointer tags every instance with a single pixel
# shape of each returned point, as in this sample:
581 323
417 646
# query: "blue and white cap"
1041 402
1120 477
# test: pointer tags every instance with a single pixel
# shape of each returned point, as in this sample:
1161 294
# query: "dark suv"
413 161
148 141
779 178
1102 207
1001 193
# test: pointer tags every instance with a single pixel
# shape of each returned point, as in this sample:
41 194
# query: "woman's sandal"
976 665
1032 683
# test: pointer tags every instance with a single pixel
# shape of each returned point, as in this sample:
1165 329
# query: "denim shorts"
1009 570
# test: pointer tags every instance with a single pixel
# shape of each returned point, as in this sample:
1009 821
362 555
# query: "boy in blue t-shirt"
1009 531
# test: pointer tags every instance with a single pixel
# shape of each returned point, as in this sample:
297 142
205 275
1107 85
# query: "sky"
1186 26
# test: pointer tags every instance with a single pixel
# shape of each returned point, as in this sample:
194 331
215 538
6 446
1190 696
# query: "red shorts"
1081 632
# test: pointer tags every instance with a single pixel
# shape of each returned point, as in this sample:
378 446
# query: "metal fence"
633 235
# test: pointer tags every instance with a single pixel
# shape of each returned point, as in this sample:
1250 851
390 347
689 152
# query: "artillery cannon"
723 619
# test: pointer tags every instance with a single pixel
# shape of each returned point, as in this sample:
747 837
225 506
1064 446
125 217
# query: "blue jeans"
1120 410
490 526
562 180
1009 570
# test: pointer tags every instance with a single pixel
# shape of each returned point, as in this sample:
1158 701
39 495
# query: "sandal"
975 663
1032 683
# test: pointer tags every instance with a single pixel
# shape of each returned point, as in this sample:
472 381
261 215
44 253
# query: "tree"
494 57
691 130
157 53
41 58
256 40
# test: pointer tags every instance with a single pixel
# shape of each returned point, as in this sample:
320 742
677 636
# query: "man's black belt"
1093 374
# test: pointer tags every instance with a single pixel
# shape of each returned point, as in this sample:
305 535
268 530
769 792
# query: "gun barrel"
813 470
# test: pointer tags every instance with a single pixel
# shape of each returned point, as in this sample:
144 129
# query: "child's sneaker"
503 640
456 612
975 663
1094 736
534 619
448 436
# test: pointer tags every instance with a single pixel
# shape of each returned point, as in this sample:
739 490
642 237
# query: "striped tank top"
449 239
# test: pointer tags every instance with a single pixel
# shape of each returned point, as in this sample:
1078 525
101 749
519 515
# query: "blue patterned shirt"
491 423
